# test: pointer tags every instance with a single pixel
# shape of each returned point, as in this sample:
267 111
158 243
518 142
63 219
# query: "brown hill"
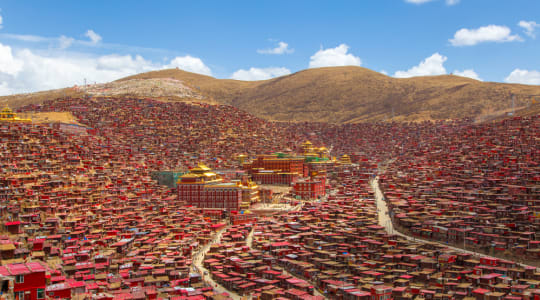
38 97
220 90
355 94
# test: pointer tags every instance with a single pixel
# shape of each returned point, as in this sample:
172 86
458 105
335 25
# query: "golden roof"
8 115
7 110
203 172
345 159
189 175
201 168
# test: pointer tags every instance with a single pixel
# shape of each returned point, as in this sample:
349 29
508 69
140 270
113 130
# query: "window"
19 279
41 293
19 295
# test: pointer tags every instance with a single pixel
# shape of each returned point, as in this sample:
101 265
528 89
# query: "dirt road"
386 222
382 208
249 239
198 266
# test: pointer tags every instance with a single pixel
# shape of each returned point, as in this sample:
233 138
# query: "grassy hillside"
355 94
221 90
36 98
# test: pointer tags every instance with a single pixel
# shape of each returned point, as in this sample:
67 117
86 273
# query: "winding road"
386 222
249 239
198 266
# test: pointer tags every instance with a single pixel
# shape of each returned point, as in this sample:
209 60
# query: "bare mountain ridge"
355 94
334 94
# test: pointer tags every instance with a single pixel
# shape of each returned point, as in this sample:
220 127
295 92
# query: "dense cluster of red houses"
175 135
81 216
339 246
234 265
474 185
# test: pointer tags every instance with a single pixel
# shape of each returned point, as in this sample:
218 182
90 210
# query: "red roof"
21 269
280 244
480 291
18 269
36 267
12 223
92 286
296 292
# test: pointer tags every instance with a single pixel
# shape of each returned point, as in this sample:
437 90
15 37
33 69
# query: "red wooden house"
30 280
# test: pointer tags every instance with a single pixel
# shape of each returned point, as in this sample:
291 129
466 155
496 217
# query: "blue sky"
44 45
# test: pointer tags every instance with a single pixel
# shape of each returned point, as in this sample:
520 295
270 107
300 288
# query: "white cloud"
259 73
490 33
94 37
384 72
191 64
334 57
1 21
8 64
452 2
282 48
62 41
124 63
524 77
529 27
26 37
4 89
23 71
433 65
65 41
468 73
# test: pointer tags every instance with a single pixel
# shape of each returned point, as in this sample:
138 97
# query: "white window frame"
17 277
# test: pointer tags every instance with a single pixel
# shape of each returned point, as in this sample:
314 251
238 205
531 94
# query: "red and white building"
272 169
29 281
226 196
310 189
275 163
205 189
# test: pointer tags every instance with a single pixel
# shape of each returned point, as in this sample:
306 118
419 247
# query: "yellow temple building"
7 115
204 188
201 174
345 160
241 158
309 150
